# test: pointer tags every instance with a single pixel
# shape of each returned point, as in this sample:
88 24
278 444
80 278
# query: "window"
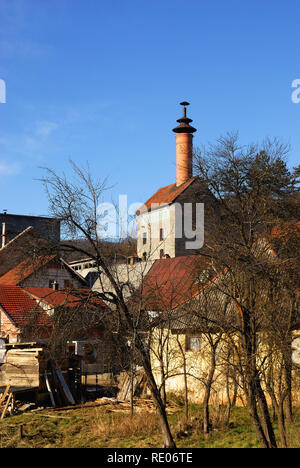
144 256
161 234
68 284
144 238
193 343
53 285
161 253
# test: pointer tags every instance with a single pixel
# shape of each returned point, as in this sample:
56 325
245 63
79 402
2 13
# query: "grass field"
112 426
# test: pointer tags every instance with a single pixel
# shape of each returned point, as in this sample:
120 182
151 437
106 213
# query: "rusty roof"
173 281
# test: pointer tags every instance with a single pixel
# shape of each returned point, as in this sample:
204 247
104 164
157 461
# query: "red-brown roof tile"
165 195
66 298
286 230
25 269
23 310
173 281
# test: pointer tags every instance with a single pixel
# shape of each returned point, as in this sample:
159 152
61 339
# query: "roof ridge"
29 228
169 197
27 265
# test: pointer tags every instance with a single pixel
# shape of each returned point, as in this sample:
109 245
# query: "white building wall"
42 278
151 223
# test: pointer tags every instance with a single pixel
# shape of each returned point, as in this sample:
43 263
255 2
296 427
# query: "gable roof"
66 298
17 249
165 195
173 281
22 310
26 268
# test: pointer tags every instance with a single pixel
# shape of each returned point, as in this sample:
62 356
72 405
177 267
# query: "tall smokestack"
184 147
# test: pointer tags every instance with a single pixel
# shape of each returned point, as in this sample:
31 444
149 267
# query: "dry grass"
142 423
110 426
218 416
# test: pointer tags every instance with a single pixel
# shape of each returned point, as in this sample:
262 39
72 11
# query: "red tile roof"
281 232
173 281
67 298
21 308
165 195
24 270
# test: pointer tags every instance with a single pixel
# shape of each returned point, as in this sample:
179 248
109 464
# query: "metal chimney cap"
184 121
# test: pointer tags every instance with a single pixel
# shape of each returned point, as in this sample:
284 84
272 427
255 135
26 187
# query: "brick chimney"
184 147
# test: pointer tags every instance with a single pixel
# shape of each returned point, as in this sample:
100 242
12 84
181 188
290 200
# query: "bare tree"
254 191
75 202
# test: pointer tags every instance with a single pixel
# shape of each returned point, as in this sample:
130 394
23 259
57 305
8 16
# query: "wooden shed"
23 368
29 368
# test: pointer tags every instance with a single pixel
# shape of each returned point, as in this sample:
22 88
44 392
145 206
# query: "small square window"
193 343
53 284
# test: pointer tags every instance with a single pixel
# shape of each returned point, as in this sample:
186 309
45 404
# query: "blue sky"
100 81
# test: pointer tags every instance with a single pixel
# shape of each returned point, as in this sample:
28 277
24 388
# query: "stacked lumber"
139 387
58 388
22 368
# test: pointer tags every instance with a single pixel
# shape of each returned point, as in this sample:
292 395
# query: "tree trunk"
255 419
228 412
186 397
163 383
265 416
206 422
281 425
288 404
131 391
168 441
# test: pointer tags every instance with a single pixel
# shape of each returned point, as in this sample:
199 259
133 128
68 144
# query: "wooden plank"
4 394
49 390
6 405
65 387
